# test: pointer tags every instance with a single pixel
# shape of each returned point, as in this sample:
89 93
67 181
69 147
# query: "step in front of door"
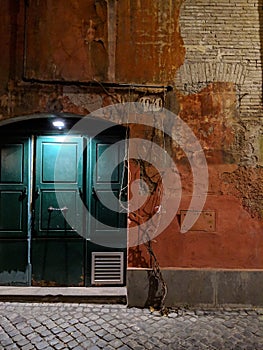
107 268
93 295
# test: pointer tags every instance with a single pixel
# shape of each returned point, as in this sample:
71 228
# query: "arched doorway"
51 183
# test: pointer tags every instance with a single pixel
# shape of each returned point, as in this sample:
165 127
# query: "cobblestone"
85 326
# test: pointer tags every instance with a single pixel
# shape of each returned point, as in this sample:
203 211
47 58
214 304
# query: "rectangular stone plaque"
206 220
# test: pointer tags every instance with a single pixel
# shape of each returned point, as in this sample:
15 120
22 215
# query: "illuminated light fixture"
58 124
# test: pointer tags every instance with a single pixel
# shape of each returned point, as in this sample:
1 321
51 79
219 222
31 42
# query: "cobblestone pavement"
92 326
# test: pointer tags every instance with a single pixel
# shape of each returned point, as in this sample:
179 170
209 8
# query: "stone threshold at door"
101 295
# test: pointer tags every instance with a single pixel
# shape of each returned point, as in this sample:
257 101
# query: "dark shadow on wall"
260 10
13 11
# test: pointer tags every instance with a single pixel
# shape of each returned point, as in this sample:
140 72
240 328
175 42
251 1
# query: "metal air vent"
107 268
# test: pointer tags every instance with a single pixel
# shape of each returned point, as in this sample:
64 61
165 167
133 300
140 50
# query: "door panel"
59 182
61 156
102 166
106 186
14 210
58 243
14 267
58 262
53 220
106 179
14 174
11 212
12 160
106 212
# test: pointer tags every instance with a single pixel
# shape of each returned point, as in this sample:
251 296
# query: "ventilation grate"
107 268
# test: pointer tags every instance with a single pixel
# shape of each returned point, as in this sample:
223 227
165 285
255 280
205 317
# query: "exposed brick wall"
223 44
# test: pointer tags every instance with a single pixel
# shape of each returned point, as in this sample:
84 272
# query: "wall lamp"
59 124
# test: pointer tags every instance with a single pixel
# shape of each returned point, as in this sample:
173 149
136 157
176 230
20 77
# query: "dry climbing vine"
150 229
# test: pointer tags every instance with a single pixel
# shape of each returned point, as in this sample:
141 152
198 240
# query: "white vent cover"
107 268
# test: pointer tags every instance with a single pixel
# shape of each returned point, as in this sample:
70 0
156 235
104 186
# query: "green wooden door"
14 218
107 238
60 211
58 233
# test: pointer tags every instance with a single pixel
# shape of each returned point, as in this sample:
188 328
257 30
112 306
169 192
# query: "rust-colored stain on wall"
210 114
149 45
234 237
78 42
66 40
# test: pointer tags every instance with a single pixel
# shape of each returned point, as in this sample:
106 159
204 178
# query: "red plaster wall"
5 45
236 243
234 193
11 42
60 32
60 44
148 29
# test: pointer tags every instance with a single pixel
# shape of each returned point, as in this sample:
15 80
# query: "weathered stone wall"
228 233
223 41
219 87
103 41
